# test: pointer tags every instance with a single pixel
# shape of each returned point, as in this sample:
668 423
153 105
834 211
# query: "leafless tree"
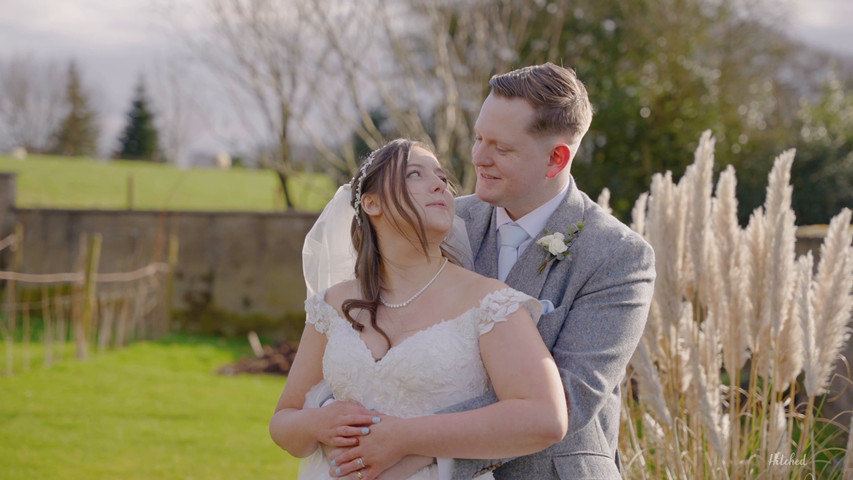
31 102
429 70
180 113
320 71
265 54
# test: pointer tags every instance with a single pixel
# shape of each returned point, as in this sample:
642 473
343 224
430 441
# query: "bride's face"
429 188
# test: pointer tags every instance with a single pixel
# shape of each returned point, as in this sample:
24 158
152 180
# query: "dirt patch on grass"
272 360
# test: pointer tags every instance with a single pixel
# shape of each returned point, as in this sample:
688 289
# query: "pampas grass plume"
638 214
805 314
833 298
604 200
724 295
649 384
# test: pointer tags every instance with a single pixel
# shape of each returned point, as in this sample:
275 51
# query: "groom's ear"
561 158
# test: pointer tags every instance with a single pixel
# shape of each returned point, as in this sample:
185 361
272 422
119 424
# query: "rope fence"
84 310
7 242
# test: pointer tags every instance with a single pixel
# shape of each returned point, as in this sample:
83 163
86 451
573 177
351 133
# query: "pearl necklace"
416 295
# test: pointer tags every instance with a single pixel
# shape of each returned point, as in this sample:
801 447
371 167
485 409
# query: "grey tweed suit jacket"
601 296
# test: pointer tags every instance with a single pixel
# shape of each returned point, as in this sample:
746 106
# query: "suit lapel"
525 275
483 238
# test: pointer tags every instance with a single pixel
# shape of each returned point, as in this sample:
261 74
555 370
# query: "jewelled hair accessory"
363 173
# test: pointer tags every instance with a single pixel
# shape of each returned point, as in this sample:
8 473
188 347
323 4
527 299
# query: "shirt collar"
534 222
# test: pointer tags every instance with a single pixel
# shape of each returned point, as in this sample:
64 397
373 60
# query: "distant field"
84 183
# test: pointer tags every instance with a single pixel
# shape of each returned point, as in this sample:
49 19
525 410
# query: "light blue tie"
512 236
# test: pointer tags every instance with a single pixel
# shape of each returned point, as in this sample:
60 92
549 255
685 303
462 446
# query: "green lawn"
151 410
76 182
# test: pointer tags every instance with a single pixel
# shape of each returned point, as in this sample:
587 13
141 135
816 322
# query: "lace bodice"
428 371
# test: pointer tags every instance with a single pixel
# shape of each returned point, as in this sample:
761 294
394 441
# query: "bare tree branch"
31 103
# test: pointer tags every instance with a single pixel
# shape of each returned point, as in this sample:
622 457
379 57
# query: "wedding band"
360 462
359 474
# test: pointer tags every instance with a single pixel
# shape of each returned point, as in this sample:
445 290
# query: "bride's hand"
405 468
340 424
376 452
332 452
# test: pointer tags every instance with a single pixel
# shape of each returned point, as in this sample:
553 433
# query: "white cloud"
817 14
825 24
51 25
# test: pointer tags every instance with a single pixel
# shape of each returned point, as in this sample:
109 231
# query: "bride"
415 333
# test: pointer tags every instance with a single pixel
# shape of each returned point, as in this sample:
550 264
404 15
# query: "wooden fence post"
49 329
106 322
130 191
89 291
170 281
25 337
17 249
62 318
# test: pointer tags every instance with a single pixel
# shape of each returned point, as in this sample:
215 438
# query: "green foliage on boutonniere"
557 245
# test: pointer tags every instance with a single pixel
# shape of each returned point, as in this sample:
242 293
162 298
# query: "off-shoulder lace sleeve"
318 312
498 305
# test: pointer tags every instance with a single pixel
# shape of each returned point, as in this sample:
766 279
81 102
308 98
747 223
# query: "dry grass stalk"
665 230
848 457
833 299
638 214
707 388
804 311
758 290
780 258
604 200
724 295
652 391
729 262
701 184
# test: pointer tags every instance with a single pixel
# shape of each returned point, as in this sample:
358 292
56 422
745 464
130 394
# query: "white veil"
328 256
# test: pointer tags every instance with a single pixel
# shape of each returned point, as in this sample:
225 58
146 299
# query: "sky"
113 42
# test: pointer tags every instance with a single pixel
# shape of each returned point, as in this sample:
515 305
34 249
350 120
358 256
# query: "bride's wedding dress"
433 369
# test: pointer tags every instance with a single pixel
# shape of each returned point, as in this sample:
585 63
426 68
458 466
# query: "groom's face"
511 163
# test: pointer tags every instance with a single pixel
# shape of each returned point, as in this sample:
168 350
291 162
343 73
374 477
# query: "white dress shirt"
534 222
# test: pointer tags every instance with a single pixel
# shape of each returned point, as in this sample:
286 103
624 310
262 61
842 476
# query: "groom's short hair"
555 93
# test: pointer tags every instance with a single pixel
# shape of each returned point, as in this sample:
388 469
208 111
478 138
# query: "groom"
596 294
597 298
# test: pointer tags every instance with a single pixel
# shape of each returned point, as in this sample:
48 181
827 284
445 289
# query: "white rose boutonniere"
557 245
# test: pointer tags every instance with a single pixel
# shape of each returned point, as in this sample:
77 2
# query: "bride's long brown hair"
385 176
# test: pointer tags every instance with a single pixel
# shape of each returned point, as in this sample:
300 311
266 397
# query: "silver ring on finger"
360 462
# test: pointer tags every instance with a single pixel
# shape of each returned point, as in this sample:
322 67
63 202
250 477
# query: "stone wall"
236 271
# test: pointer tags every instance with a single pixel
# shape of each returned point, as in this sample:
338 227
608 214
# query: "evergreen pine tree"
140 139
78 132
